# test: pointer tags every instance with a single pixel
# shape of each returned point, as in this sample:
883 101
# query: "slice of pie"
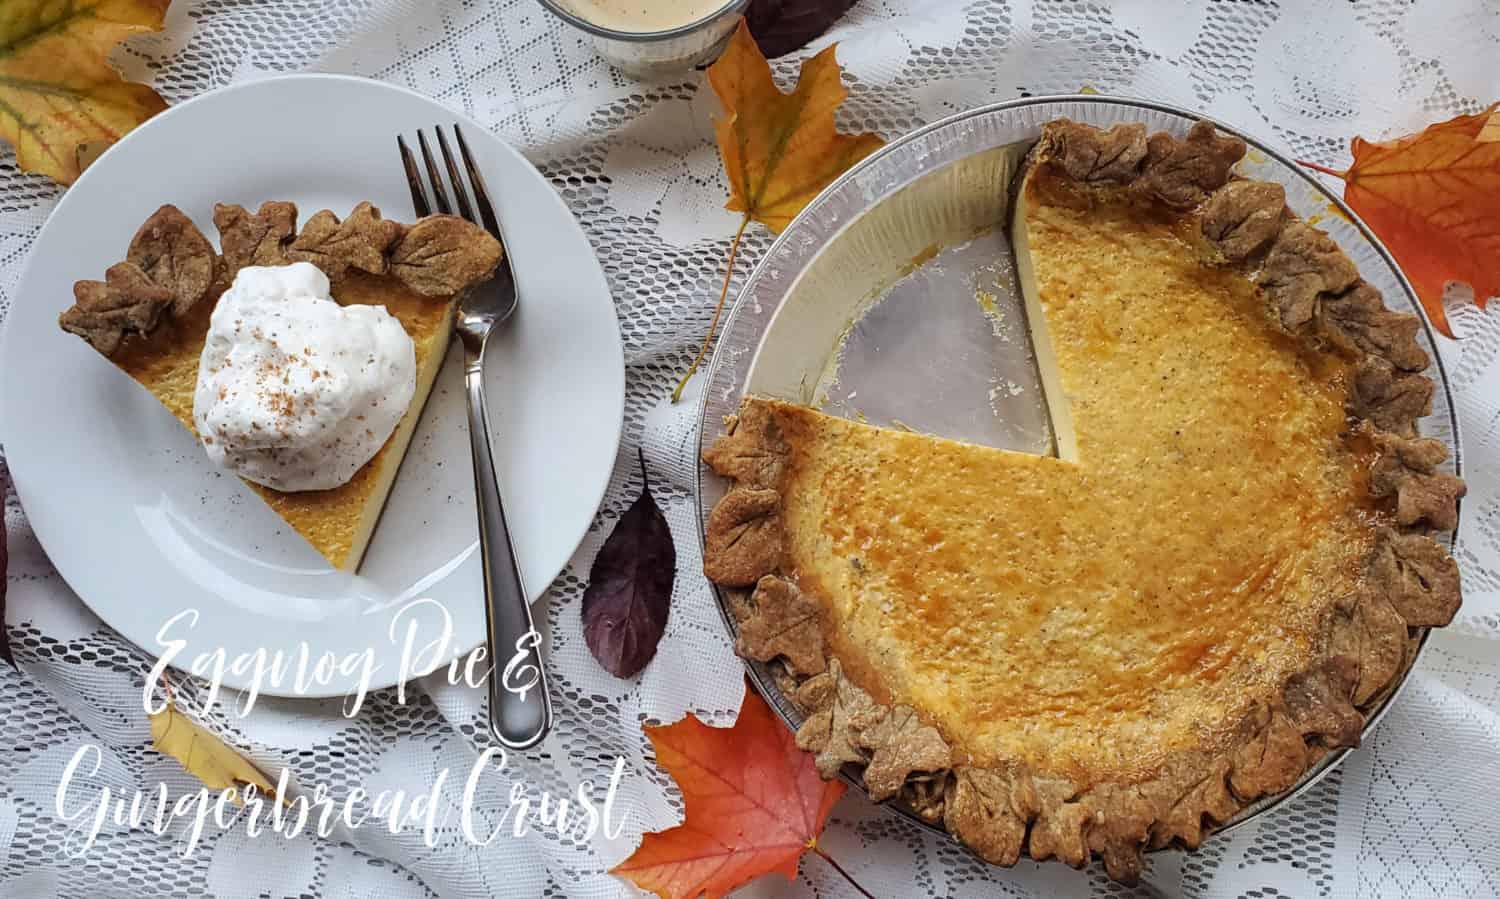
150 316
1119 647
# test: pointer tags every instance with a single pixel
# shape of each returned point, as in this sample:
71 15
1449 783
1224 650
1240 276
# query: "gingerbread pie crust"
1120 647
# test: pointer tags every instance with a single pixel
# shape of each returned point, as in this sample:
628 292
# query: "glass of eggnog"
653 37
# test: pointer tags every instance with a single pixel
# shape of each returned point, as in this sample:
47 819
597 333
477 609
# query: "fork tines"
435 178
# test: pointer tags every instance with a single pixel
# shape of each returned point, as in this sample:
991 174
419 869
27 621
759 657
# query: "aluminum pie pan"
846 251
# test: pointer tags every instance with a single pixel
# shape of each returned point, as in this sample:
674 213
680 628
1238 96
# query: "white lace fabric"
1411 814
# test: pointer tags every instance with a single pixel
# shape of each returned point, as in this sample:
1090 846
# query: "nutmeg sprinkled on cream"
296 392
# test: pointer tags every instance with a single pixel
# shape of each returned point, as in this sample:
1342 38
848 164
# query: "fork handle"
520 709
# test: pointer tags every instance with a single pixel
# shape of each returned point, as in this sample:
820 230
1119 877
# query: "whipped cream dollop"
296 392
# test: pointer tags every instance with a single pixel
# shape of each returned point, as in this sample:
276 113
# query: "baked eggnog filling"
1208 588
296 392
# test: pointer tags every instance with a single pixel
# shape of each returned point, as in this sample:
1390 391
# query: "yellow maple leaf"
58 92
203 754
779 150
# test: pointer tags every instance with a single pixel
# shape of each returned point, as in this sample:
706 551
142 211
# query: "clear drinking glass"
656 53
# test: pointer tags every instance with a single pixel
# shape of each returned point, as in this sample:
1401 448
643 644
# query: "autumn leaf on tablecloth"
781 26
779 150
629 596
203 754
58 92
1434 200
753 803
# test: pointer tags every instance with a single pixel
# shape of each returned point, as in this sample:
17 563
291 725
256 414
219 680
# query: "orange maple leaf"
754 803
1434 200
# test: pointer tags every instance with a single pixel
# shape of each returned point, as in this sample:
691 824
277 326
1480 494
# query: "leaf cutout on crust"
125 302
839 711
753 803
442 255
58 92
781 26
780 150
360 241
1389 399
1302 264
174 254
259 238
1407 468
753 452
777 620
203 754
901 745
629 595
1434 199
1417 575
744 537
984 812
1358 320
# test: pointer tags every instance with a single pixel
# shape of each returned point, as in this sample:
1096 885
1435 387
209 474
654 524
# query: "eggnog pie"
1120 646
301 359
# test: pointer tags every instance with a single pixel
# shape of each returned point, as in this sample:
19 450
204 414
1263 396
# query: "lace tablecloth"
1413 813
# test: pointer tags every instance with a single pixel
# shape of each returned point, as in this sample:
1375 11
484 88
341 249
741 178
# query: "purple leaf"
629 596
5 652
781 26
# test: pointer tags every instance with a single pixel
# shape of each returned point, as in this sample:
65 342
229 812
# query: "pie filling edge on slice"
1347 652
151 312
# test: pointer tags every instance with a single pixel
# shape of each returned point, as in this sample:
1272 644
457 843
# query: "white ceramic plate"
143 527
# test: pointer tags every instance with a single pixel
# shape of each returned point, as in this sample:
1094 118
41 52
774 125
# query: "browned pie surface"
1093 617
1205 591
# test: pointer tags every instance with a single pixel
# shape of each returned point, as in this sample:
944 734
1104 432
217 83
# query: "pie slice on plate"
151 315
1119 647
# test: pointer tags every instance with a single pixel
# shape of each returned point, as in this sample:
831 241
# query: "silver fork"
517 720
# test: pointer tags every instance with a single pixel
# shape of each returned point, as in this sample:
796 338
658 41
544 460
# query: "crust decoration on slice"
150 316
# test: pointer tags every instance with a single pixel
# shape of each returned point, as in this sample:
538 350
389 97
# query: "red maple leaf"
754 804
